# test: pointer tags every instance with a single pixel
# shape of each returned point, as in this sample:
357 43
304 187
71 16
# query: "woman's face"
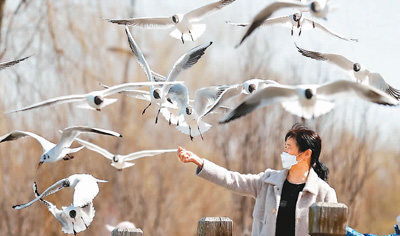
291 147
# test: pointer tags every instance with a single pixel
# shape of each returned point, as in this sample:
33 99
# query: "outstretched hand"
188 156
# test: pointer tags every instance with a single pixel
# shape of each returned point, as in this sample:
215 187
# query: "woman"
282 196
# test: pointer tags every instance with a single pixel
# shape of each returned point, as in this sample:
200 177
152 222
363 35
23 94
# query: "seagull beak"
40 164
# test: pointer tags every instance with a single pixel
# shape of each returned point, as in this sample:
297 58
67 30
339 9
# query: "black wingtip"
15 206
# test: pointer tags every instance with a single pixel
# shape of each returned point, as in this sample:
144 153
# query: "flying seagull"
186 26
186 61
93 100
318 8
55 152
72 219
356 70
6 64
308 101
85 186
122 161
296 21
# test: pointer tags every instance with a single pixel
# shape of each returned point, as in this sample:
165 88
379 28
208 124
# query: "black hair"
308 139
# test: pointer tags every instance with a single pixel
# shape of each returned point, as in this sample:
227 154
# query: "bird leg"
313 25
169 121
73 228
291 32
146 108
200 133
300 31
182 39
190 133
191 35
158 113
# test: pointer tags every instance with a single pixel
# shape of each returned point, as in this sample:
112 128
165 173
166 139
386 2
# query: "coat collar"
279 177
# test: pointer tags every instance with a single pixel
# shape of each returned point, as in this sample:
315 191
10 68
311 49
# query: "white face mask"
289 160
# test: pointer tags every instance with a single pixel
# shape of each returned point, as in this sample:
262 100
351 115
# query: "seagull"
186 25
356 70
186 61
55 152
296 21
93 100
85 186
72 219
216 96
121 225
6 64
318 8
308 101
122 161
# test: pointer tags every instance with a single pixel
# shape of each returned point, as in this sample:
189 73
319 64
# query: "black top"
285 222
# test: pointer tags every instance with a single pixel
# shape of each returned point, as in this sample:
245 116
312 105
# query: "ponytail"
321 169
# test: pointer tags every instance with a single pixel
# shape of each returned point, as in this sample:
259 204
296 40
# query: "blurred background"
74 49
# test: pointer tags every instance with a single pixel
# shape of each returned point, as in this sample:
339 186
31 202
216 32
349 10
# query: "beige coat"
266 188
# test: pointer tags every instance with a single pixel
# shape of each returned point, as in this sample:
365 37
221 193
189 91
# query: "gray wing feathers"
139 55
200 13
4 65
145 22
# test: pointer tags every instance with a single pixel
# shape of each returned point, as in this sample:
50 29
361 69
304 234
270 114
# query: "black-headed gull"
318 8
216 96
308 101
122 161
72 219
93 100
6 64
186 25
190 115
121 225
85 190
356 70
296 21
186 61
55 152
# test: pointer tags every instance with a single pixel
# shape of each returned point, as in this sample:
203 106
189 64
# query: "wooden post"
327 219
127 232
215 226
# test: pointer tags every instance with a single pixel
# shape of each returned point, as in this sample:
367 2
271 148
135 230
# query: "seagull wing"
262 98
281 20
50 190
146 22
139 55
4 65
186 61
138 94
95 148
14 135
323 28
178 95
131 86
200 13
377 81
366 92
70 133
54 101
145 153
268 11
336 59
85 191
209 98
